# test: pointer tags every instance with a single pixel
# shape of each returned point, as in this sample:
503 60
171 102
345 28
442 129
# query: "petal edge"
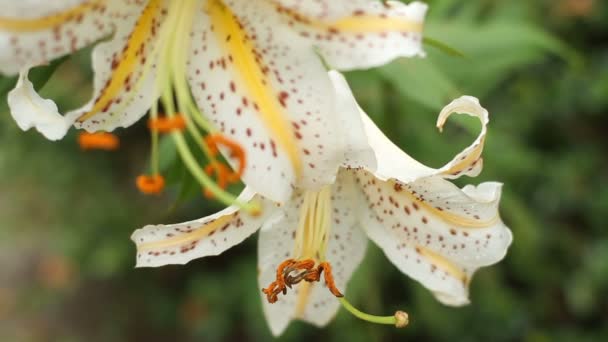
30 110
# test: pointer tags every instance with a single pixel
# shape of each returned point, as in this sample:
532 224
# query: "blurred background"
540 67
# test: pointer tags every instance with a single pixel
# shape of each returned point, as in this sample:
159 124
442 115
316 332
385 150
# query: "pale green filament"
155 155
314 225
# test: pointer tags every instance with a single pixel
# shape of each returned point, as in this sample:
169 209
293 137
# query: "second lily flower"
431 230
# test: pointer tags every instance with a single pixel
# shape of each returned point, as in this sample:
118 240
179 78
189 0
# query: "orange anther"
280 282
98 141
236 150
307 272
271 293
329 279
307 264
167 124
150 185
210 142
223 175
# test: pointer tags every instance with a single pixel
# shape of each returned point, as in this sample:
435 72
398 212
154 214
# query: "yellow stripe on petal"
468 162
443 264
195 235
357 23
371 24
457 220
51 21
454 219
124 65
231 35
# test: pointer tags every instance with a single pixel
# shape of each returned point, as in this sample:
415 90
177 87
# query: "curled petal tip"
464 105
29 110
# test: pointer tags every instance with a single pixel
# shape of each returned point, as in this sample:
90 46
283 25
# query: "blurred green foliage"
540 67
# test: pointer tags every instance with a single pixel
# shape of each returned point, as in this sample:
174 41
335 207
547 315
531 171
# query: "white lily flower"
253 69
427 227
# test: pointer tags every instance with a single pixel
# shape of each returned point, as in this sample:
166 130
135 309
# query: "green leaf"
420 81
39 76
6 84
493 50
448 50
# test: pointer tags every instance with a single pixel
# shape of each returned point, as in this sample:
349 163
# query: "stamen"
279 285
167 124
236 150
280 279
308 273
329 279
224 176
98 141
150 185
253 208
181 111
155 157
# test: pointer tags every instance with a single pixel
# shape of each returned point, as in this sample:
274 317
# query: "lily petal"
394 163
123 89
469 161
30 110
312 302
371 34
159 245
358 152
322 9
36 32
125 71
275 245
436 233
266 92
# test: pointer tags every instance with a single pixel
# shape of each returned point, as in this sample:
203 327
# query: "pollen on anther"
167 124
150 185
98 141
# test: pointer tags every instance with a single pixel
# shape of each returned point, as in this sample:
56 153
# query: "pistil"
312 233
400 319
292 272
